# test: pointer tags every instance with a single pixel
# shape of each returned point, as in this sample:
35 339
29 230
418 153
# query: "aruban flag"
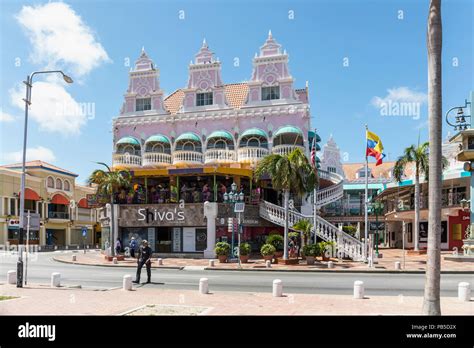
374 147
313 154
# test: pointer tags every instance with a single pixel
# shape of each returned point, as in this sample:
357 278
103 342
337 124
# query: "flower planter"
244 258
267 257
278 254
222 258
310 260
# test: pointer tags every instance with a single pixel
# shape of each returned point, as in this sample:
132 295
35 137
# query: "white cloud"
32 154
60 39
52 107
400 95
4 117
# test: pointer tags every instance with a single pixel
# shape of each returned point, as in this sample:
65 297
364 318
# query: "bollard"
114 260
127 282
358 289
398 265
74 258
67 247
160 262
211 263
464 292
330 264
268 263
203 286
55 279
277 288
11 277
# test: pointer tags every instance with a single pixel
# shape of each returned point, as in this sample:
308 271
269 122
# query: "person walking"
118 246
133 247
144 258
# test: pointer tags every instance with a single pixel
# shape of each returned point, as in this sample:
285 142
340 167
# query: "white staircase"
346 244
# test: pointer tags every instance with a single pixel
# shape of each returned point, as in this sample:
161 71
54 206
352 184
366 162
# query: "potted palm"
277 241
222 250
311 251
244 252
267 251
326 250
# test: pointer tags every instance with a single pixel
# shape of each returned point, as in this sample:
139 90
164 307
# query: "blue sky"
356 55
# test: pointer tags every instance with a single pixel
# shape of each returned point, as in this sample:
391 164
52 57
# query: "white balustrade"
249 154
219 156
192 157
285 150
156 158
126 159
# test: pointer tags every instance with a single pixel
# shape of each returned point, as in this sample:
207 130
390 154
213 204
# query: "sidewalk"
413 263
42 300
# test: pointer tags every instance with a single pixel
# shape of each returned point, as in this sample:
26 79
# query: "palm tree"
108 183
431 301
290 173
419 156
303 226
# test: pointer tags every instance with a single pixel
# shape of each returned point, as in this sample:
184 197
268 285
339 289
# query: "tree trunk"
285 235
416 228
112 242
431 302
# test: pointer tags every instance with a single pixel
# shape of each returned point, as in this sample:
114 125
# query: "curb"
329 271
116 266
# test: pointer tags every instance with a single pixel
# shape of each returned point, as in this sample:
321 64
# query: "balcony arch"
187 149
157 151
220 148
253 145
286 139
127 152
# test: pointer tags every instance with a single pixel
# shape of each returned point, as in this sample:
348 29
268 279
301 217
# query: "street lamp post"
234 197
27 100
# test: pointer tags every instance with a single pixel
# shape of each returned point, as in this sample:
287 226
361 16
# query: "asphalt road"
39 271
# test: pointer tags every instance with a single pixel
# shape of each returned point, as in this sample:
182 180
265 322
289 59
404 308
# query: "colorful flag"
374 147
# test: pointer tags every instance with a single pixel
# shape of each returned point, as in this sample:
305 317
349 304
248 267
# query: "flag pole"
315 192
366 200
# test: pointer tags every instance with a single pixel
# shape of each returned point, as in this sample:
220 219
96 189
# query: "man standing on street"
144 258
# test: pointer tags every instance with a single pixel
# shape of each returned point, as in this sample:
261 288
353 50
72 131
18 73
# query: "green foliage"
326 247
222 248
267 250
109 182
304 226
276 240
351 230
289 173
293 235
245 249
312 250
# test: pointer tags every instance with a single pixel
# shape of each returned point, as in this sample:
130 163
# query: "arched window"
59 184
50 182
67 186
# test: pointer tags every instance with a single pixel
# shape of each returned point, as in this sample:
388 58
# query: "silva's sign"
150 215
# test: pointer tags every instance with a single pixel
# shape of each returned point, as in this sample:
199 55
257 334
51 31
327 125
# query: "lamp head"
68 79
233 186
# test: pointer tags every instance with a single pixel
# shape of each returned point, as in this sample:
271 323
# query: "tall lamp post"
27 100
234 197
377 206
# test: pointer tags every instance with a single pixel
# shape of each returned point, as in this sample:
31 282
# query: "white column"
68 236
210 212
42 235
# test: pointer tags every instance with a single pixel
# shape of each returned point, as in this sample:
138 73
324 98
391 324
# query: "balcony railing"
250 154
285 150
126 159
447 200
58 215
189 157
219 156
156 159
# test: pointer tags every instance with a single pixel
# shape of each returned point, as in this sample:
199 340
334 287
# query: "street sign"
84 231
239 207
34 221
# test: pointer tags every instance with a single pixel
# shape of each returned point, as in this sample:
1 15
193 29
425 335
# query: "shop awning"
83 203
188 136
157 138
59 199
128 140
254 131
221 134
31 195
288 129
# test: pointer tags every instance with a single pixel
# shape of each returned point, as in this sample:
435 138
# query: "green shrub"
293 235
351 230
267 250
326 247
312 250
245 249
276 240
222 248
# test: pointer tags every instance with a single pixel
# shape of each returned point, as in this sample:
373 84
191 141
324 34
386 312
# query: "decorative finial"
270 34
204 43
143 49
256 55
284 51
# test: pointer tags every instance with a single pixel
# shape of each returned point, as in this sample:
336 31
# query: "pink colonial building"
185 150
